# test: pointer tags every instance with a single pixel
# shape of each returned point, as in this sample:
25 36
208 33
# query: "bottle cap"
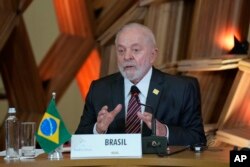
12 110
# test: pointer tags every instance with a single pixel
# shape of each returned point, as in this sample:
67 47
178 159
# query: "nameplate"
106 146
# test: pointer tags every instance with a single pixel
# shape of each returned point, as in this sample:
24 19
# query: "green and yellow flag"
52 132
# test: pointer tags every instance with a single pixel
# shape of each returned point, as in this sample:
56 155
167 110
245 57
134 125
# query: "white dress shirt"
143 86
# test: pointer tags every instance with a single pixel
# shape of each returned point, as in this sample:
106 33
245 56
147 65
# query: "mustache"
128 64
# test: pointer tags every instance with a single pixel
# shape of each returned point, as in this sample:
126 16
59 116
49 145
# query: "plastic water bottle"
12 135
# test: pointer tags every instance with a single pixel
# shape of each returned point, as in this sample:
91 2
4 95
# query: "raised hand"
146 117
105 118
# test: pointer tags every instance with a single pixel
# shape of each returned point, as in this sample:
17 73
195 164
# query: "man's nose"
128 55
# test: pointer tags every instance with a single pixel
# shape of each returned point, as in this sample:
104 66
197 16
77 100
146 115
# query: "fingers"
161 129
146 117
104 109
105 118
102 113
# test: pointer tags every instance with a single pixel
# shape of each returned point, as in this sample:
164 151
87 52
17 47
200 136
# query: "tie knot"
134 90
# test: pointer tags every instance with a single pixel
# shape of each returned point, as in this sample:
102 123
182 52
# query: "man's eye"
136 50
120 50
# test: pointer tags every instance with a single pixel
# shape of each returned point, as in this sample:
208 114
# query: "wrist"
99 131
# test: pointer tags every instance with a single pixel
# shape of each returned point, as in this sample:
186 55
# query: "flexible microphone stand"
153 144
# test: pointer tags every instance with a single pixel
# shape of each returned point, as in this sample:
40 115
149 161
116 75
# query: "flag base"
56 154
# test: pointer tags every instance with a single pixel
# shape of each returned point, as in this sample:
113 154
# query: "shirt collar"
143 85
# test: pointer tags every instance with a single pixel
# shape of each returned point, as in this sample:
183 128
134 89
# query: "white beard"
136 76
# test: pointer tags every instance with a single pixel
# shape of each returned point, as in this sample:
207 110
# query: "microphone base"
154 145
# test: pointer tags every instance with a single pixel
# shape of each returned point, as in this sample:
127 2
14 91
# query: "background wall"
3 103
41 23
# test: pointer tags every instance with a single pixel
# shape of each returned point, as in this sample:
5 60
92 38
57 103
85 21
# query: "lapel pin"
156 91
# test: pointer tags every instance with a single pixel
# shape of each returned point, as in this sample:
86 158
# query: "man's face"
135 54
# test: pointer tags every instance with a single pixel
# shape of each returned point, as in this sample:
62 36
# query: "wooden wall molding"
62 63
21 78
29 87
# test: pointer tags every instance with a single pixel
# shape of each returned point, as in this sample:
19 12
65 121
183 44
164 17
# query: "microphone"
153 122
151 144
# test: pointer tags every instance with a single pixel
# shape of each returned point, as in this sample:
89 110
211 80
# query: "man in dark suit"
174 100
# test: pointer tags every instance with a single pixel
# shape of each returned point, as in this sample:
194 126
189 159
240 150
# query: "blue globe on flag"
48 126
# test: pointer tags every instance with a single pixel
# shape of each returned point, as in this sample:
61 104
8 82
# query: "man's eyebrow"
133 45
119 45
136 44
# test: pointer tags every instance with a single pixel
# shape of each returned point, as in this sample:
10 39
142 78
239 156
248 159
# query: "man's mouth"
128 67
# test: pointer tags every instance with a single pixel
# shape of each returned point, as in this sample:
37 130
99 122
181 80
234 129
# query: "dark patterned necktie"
133 123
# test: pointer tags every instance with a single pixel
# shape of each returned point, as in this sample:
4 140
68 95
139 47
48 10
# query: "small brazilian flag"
52 132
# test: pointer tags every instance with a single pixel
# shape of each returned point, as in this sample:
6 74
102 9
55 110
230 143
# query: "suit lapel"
153 97
117 90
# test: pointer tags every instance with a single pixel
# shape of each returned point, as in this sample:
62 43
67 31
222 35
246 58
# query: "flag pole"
54 96
57 153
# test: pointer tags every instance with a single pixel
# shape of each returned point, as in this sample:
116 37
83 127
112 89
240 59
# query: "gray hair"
148 32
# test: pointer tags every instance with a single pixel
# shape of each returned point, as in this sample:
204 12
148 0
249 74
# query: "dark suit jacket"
177 105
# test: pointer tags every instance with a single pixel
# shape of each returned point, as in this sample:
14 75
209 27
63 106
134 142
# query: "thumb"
117 109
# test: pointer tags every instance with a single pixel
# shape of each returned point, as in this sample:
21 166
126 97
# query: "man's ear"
154 55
